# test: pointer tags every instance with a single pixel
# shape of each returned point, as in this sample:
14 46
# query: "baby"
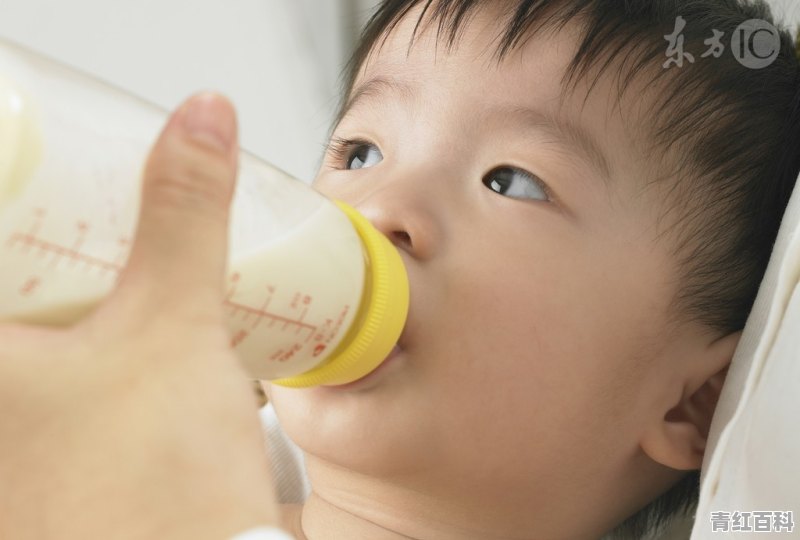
585 194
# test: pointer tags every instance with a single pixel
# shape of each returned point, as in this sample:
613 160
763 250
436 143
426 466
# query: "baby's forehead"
539 57
542 57
528 84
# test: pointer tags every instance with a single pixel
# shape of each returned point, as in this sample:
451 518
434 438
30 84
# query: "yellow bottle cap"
381 318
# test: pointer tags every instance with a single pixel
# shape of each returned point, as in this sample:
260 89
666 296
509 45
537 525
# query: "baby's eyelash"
342 149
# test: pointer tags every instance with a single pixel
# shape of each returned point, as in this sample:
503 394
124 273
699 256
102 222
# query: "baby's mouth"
397 352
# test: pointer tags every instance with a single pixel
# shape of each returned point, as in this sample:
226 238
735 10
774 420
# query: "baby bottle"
315 295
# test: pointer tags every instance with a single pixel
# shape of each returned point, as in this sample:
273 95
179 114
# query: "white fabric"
286 459
752 460
263 533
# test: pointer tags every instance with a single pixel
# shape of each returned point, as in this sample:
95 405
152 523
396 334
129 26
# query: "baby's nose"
406 221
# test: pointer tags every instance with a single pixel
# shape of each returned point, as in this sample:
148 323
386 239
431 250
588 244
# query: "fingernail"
209 118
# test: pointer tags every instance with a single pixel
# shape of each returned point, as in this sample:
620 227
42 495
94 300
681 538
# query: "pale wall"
277 59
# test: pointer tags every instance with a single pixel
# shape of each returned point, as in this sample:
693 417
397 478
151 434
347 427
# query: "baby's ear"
678 439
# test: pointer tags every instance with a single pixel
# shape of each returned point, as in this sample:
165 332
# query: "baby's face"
538 342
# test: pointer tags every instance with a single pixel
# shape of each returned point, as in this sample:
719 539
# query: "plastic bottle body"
69 198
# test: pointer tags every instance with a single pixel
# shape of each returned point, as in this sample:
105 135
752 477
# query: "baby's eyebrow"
374 88
570 134
565 131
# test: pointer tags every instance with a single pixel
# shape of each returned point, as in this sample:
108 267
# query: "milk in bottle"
315 295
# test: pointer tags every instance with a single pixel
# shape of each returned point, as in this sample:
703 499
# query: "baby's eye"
516 183
354 154
363 156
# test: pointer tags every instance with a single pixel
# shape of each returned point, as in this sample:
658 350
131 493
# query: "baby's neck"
319 519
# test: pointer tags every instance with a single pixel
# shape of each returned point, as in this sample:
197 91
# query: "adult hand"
138 421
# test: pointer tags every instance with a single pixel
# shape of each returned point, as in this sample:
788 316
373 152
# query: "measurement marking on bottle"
240 336
25 242
30 286
264 307
272 317
83 228
33 241
262 314
303 316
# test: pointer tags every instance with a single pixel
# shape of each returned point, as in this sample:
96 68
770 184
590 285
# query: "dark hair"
736 129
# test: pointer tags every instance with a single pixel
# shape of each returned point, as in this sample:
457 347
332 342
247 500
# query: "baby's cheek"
537 346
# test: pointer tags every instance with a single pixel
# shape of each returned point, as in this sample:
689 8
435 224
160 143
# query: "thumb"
179 254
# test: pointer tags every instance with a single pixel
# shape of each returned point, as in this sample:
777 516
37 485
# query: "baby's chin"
374 431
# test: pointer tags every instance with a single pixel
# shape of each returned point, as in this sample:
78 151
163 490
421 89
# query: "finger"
179 253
